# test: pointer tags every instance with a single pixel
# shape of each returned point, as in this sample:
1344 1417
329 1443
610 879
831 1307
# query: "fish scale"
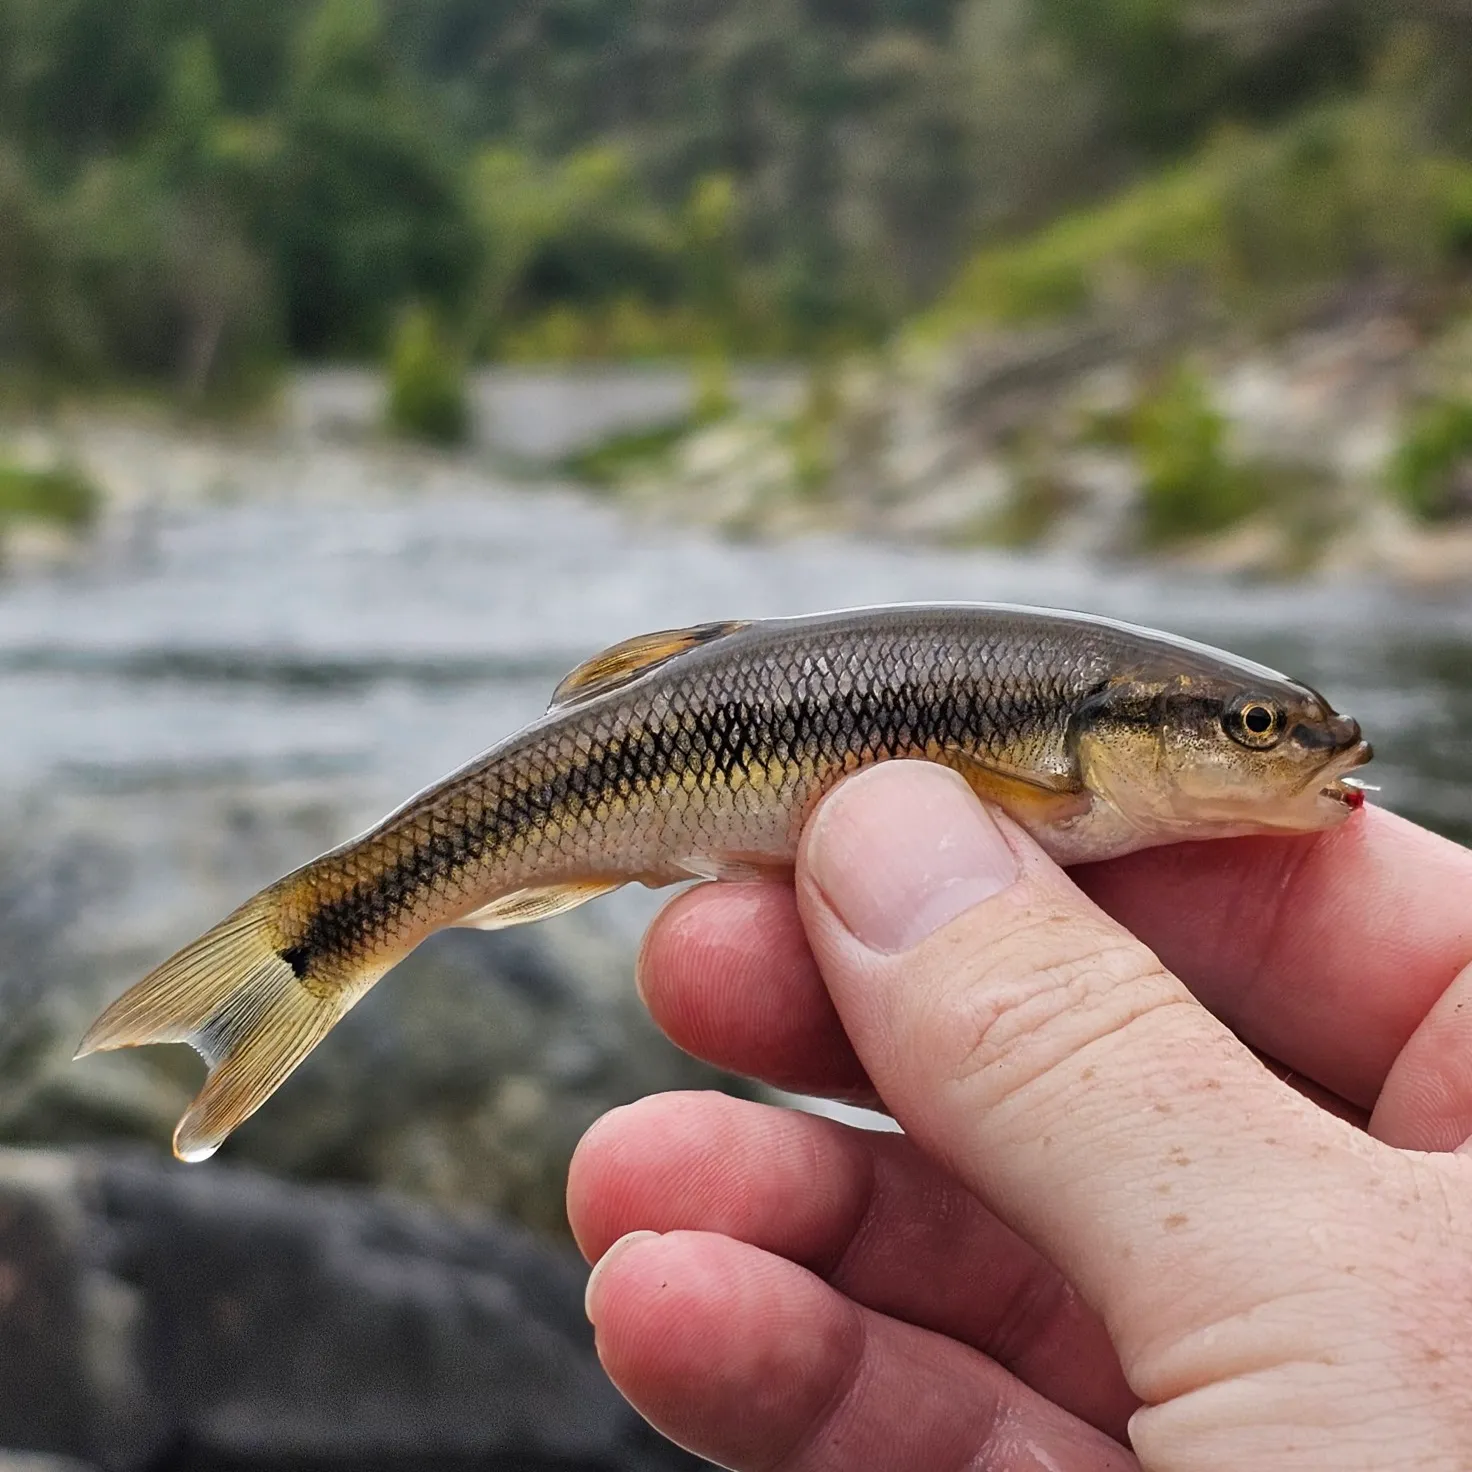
701 753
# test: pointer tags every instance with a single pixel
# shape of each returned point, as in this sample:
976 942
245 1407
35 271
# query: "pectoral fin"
1034 800
625 662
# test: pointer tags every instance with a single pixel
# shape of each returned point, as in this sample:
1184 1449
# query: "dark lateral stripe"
730 736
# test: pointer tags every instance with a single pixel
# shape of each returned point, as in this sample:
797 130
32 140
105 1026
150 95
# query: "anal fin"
730 868
524 905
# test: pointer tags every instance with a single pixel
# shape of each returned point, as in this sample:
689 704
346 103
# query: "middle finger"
865 1211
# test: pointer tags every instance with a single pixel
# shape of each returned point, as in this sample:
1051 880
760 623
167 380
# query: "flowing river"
237 675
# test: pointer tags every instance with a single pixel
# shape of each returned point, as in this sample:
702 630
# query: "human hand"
1108 1224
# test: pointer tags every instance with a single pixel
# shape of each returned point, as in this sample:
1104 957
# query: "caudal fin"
239 1004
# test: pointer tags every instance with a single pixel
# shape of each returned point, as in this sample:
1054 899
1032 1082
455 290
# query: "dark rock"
177 1319
11 1461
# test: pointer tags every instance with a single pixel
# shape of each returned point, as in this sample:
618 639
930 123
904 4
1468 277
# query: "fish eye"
1254 722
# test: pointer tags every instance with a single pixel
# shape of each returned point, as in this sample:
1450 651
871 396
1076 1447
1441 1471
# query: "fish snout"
1345 733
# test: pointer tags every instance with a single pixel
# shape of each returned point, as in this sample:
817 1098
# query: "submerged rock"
183 1319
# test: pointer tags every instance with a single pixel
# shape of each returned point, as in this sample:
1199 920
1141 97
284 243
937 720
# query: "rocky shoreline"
1029 437
1010 437
170 1319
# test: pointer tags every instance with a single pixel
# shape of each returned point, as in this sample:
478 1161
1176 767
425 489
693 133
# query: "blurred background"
363 366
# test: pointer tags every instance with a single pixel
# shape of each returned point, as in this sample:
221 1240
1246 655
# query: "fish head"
1219 752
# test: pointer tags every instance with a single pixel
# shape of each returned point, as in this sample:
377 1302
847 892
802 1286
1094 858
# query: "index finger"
1325 951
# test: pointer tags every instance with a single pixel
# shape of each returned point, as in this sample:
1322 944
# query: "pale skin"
1111 1236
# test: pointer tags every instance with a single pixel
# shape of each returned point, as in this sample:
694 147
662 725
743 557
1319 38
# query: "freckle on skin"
1164 1106
1087 1074
1164 1189
1176 1220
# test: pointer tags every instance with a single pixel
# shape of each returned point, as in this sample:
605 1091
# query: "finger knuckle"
1018 1008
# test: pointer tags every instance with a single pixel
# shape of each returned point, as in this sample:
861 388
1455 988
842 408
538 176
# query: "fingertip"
617 1173
592 1177
900 850
606 1266
724 1347
694 940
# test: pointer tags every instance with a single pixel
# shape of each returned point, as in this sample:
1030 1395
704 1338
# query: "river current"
223 686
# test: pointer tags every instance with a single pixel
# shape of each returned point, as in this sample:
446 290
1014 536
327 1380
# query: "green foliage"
1034 506
1341 190
60 495
810 435
713 397
192 191
1189 486
1163 226
618 458
1434 455
426 389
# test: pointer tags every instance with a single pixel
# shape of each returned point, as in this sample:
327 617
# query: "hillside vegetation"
194 191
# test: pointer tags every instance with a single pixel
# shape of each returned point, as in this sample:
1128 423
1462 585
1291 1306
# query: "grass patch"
59 496
1189 485
1432 468
614 460
426 387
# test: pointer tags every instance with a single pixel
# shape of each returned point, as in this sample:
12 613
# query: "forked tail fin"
238 1002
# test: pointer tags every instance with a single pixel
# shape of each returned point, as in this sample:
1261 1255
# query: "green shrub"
60 495
1436 443
810 435
1163 225
1340 190
426 395
614 460
1189 484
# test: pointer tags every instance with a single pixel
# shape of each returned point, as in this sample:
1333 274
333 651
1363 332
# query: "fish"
699 753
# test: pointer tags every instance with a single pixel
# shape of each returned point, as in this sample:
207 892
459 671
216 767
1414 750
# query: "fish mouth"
1345 791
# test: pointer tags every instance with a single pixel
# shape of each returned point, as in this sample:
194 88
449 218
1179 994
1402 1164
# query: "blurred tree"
366 207
534 169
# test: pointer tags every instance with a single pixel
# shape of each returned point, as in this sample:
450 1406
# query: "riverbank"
1339 449
1124 443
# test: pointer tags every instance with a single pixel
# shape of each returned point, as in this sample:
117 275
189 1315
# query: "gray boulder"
195 1320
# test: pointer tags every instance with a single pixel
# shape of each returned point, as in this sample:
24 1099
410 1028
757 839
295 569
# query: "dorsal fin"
625 662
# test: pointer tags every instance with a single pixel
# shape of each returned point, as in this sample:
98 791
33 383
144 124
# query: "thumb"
1046 1056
